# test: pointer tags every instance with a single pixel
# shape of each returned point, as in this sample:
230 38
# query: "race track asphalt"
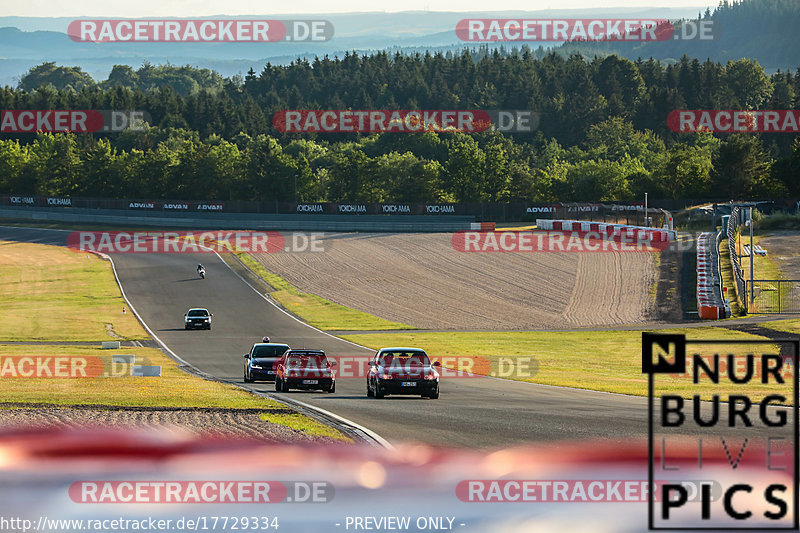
471 412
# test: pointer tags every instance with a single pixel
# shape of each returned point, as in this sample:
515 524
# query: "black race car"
260 361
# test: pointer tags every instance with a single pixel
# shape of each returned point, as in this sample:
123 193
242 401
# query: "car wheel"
247 380
378 392
435 394
185 326
370 394
278 387
332 388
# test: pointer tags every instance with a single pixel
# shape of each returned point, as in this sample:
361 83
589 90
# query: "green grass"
764 267
49 293
315 310
305 424
175 388
778 220
609 361
790 326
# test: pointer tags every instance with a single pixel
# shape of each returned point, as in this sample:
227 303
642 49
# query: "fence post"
779 295
744 298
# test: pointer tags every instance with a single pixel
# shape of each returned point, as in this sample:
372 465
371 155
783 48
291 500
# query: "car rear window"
307 360
198 312
270 351
405 359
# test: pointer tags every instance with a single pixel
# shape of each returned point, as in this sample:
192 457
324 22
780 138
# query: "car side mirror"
212 314
372 363
334 363
437 363
247 356
185 314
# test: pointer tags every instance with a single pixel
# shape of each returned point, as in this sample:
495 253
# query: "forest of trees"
603 133
762 29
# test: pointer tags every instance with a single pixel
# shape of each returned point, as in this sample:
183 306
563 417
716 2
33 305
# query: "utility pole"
714 218
646 221
752 288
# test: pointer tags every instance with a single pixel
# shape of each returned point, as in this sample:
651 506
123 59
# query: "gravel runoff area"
419 279
782 246
231 423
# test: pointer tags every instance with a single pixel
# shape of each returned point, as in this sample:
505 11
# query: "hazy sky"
199 8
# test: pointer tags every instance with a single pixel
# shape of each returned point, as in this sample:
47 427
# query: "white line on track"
377 438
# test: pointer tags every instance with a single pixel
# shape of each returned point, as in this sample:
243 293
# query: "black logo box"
678 366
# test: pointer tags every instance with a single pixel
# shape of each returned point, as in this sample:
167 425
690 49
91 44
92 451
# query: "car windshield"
269 350
198 312
307 361
405 359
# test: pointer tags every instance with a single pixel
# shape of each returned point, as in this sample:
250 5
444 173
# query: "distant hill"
766 30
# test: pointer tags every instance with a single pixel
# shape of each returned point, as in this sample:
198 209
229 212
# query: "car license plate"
270 371
310 382
408 384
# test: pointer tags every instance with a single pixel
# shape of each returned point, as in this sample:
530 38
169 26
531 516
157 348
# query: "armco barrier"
245 221
631 232
711 303
738 275
621 213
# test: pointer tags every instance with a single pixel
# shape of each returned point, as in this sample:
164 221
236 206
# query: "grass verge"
609 361
49 293
315 310
175 388
305 424
764 268
789 326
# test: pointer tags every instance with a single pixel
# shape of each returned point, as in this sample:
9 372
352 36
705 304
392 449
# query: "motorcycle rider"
199 268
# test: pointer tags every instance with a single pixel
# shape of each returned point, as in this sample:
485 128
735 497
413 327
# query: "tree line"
603 133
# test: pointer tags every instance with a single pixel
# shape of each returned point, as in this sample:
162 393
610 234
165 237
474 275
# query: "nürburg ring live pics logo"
725 411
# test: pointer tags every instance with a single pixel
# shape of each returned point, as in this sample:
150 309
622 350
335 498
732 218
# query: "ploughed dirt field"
231 423
419 279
